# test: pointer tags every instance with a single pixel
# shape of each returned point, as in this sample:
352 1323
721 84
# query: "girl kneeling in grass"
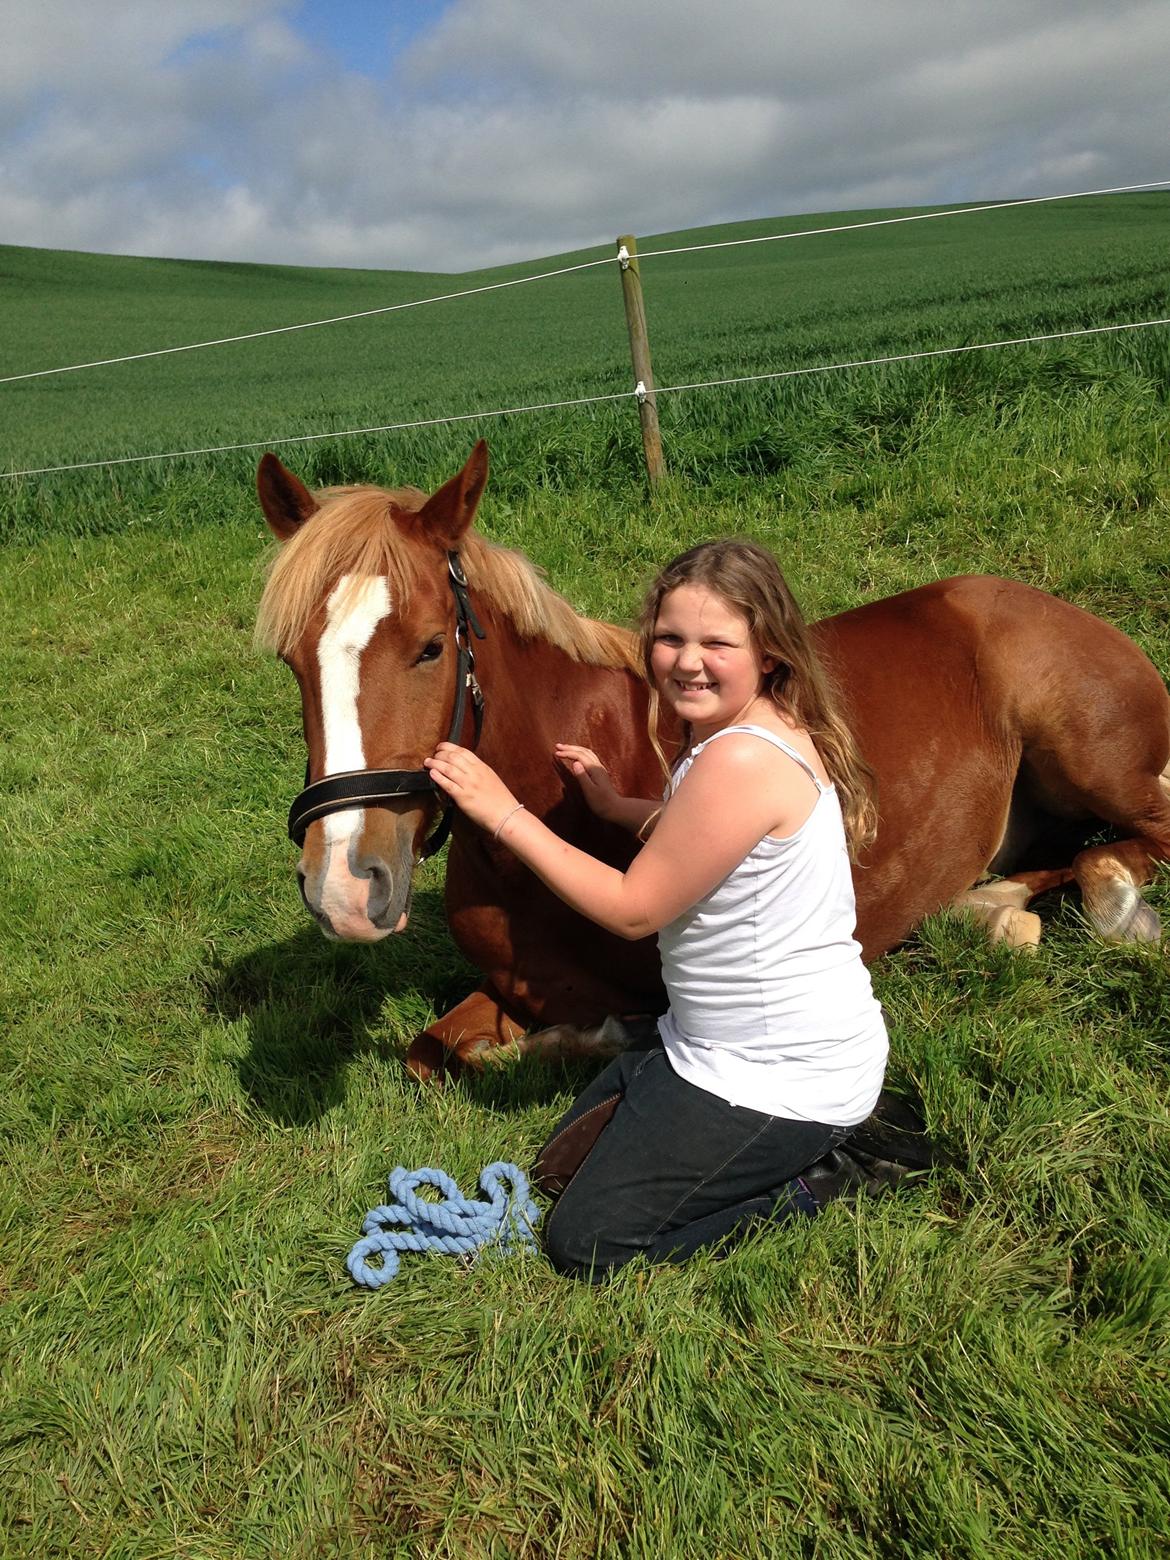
773 1047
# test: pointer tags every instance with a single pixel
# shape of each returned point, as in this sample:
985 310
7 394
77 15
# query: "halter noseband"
372 787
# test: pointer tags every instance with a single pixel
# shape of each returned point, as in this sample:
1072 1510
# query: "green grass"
201 1097
757 309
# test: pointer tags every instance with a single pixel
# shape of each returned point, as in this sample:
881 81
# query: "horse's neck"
537 694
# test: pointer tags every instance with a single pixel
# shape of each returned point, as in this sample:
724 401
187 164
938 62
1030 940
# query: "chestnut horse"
1005 727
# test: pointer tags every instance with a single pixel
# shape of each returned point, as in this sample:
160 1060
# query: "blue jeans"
672 1169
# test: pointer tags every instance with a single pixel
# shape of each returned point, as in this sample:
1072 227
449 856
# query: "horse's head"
359 605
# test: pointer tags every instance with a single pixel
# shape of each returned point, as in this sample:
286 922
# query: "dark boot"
895 1132
876 1157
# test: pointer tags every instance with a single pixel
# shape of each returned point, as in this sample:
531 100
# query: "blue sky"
445 135
366 35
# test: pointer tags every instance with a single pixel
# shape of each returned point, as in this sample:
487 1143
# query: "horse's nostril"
381 884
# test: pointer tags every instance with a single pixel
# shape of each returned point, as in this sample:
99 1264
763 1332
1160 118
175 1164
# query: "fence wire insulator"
623 256
641 392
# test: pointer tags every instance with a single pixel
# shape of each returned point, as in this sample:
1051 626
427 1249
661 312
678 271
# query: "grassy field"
755 309
201 1097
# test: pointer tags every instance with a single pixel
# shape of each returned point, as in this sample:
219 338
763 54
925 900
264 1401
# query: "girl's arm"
630 812
736 792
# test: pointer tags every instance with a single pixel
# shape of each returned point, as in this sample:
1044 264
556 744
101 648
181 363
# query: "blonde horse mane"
354 533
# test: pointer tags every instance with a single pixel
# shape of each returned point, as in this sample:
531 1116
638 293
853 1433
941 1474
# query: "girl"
773 1046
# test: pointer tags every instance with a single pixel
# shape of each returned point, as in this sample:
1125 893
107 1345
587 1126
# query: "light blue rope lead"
457 1224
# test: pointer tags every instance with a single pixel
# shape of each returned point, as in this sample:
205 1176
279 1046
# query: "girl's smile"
703 659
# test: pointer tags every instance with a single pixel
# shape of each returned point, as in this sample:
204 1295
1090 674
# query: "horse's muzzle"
356 896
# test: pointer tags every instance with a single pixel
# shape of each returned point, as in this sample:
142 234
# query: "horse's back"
973 697
1033 660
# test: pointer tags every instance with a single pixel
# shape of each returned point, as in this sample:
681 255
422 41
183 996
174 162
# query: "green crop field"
201 1097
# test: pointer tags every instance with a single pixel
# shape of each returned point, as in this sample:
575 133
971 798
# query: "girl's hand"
476 789
596 786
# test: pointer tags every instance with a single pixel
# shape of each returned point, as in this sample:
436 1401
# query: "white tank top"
770 1004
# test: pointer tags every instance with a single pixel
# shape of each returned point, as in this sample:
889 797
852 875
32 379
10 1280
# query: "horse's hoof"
1017 928
597 1042
614 1036
1121 915
1144 926
988 898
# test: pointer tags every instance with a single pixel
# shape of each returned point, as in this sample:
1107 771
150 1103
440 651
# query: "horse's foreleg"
1111 878
469 1034
462 1037
596 1042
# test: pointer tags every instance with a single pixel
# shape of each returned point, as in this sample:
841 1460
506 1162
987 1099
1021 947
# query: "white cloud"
210 128
92 49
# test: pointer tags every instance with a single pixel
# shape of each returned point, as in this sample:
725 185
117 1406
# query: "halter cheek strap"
374 787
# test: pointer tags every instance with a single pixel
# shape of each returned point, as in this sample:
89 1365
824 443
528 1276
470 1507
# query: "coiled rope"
455 1225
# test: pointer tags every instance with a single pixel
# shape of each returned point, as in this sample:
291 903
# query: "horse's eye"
430 652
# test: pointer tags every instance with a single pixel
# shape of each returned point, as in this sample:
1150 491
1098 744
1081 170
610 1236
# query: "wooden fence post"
640 355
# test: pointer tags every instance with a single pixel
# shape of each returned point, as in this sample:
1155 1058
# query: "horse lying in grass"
1006 729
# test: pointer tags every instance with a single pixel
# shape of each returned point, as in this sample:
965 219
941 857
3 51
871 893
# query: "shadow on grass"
312 1006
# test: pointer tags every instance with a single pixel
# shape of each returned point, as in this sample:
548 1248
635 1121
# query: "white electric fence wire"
309 438
566 270
907 357
921 216
283 330
587 400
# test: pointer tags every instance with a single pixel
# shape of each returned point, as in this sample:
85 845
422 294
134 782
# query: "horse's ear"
285 500
448 513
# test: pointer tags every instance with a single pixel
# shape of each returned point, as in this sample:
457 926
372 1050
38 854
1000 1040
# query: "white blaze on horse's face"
352 613
341 894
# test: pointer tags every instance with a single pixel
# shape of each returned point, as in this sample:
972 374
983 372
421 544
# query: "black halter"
371 787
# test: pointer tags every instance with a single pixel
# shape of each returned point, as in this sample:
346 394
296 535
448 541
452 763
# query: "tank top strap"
785 747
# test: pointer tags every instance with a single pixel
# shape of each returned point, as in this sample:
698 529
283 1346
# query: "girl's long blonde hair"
748 578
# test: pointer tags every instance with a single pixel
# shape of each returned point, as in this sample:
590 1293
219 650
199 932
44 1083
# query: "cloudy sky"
449 134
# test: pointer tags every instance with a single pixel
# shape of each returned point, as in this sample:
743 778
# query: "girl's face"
704 661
